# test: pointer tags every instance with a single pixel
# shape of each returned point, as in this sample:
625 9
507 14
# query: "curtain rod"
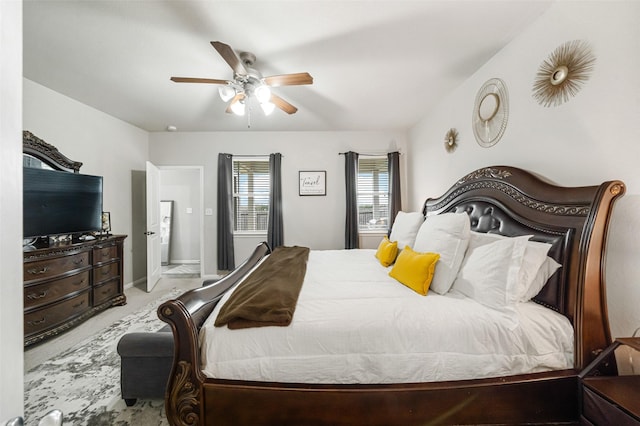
253 156
371 155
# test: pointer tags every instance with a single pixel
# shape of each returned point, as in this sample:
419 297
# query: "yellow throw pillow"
387 251
415 270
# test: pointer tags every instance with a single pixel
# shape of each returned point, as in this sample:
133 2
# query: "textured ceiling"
376 64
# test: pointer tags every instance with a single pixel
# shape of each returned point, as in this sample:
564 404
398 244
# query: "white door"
154 267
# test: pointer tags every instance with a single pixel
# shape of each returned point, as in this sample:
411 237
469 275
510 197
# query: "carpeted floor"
84 381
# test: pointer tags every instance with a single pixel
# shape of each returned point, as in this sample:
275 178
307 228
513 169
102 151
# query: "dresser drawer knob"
79 261
106 271
37 322
33 296
77 305
34 271
82 281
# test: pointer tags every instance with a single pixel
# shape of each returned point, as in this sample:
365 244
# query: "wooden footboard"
186 315
536 398
514 202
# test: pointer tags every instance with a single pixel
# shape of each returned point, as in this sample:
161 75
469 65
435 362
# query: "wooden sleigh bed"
498 199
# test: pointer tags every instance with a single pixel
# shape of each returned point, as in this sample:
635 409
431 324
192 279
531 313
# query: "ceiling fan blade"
283 105
230 57
236 98
198 80
289 79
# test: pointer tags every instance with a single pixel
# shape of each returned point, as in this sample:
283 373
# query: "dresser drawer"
45 318
106 291
42 294
52 267
65 283
104 254
105 272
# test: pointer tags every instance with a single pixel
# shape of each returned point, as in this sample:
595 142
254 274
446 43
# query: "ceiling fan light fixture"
248 82
226 93
263 93
267 107
238 108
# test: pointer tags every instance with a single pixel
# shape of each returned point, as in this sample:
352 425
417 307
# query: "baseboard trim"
136 282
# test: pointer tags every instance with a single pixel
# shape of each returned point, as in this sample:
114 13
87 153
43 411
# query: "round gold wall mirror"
490 112
489 106
559 75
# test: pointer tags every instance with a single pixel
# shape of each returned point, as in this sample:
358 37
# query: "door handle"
149 233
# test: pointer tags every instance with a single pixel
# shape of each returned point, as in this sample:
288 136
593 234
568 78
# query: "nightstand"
610 399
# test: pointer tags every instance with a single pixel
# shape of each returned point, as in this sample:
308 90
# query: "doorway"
194 177
182 221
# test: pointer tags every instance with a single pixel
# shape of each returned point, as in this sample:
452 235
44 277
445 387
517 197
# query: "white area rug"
84 381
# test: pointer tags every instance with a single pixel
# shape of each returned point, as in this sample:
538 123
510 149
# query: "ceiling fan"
247 82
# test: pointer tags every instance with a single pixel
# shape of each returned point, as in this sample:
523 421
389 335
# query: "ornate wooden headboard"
510 201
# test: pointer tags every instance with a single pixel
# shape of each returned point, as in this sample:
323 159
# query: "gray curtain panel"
395 198
275 233
351 180
226 261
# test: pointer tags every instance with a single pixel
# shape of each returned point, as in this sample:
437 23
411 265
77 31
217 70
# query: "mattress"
355 324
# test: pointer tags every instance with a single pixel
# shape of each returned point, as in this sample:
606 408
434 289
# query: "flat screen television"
60 203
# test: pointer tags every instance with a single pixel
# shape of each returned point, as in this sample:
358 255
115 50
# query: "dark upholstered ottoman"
145 364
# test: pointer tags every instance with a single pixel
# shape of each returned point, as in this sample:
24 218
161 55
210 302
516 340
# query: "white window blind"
373 193
251 190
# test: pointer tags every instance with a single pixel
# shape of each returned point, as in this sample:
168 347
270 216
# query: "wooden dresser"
66 284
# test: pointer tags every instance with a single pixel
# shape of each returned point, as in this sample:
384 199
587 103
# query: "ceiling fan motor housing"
248 58
253 79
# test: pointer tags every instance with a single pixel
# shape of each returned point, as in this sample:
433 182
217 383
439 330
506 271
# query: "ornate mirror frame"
48 154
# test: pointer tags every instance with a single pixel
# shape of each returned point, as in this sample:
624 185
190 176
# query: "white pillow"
448 235
477 239
534 257
548 268
489 272
405 227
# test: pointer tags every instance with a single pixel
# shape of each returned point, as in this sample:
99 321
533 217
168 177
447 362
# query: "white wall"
592 138
11 332
182 186
316 222
105 145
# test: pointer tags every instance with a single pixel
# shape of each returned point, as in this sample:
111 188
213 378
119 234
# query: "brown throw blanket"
268 296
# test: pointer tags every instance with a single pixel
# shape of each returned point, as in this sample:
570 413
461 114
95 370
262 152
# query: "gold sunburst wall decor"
451 140
562 74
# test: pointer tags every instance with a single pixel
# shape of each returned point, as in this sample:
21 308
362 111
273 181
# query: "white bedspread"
355 324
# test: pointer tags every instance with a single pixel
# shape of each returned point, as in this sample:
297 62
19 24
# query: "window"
373 193
251 190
